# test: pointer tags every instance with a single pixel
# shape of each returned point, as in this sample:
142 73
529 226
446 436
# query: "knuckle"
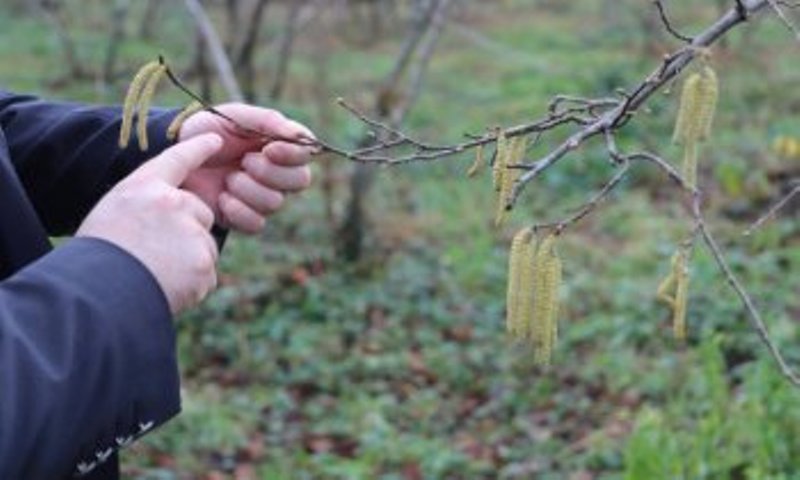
235 181
168 199
257 167
204 262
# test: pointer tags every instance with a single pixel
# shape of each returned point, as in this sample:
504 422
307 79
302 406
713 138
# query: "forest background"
362 335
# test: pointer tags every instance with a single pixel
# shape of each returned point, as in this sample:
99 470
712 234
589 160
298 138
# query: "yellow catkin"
514 298
686 124
514 154
527 287
697 108
547 281
132 100
146 99
175 127
793 149
787 147
475 168
674 291
689 167
556 280
666 287
500 161
708 97
681 297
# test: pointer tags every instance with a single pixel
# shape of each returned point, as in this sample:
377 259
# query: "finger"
282 153
239 216
198 209
266 120
277 177
262 199
177 162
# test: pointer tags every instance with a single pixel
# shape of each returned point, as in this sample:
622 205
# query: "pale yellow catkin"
665 288
708 97
132 100
681 297
475 168
674 291
543 327
787 147
685 124
500 161
146 99
698 107
516 259
174 128
527 288
557 279
514 154
689 167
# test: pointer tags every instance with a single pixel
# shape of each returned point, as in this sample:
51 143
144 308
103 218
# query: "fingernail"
303 130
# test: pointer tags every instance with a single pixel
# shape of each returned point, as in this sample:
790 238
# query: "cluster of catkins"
696 112
534 279
138 101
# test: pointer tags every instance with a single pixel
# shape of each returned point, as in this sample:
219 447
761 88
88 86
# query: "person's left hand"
246 181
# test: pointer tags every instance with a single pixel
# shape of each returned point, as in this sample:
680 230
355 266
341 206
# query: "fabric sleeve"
87 360
67 155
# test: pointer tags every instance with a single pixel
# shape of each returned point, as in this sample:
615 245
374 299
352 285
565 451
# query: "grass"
398 367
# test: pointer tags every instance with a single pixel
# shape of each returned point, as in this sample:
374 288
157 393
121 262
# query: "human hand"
164 227
246 181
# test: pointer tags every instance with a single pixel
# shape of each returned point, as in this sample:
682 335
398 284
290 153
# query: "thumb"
177 162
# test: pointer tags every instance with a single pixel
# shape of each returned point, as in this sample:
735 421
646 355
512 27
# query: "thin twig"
776 6
591 204
753 315
778 206
668 25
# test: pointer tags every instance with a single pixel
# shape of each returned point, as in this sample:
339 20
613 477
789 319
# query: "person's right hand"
164 227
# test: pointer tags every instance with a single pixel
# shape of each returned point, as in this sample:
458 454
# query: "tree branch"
214 44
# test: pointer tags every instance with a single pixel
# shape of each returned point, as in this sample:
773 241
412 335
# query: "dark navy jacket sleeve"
87 360
67 156
87 347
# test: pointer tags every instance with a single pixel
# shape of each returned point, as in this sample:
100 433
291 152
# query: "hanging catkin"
132 101
175 127
681 297
674 291
146 99
688 111
708 98
695 118
475 168
500 162
513 154
667 286
520 289
697 107
787 147
689 166
547 282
